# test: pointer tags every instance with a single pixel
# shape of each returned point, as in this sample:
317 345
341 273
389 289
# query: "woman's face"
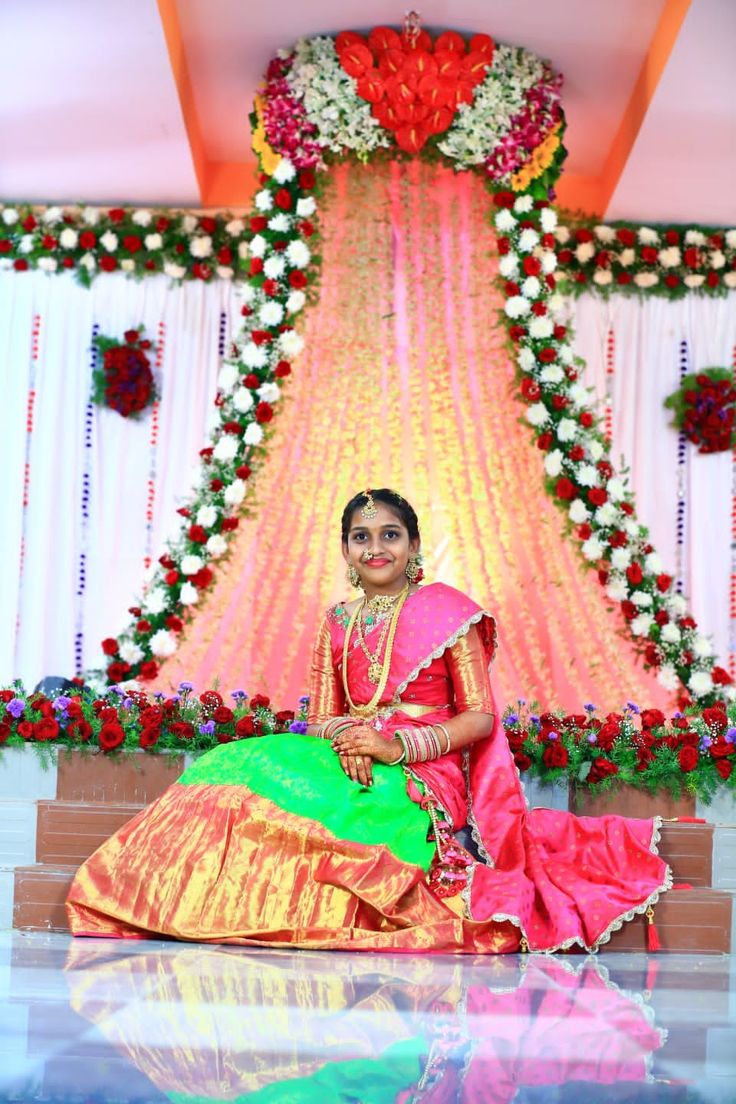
379 548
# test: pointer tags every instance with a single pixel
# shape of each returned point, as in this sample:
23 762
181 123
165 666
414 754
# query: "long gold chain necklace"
381 603
369 708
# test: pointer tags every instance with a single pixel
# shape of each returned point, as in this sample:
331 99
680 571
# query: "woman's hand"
359 768
362 740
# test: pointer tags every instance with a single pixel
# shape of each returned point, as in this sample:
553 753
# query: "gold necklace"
379 604
374 665
369 710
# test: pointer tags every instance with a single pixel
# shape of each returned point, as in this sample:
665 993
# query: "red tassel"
682 885
653 943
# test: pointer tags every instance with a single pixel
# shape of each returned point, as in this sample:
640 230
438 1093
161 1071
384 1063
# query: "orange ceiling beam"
169 16
592 195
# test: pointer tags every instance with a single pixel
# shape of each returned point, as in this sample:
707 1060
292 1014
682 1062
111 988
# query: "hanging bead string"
84 529
30 404
153 448
732 596
681 483
222 338
610 361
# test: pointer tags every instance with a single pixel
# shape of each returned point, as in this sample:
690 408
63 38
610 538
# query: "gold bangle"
447 736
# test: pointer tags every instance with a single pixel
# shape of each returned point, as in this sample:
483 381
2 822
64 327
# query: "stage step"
688 921
68 832
40 893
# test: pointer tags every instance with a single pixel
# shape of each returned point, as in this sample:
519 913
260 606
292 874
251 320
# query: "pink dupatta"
560 879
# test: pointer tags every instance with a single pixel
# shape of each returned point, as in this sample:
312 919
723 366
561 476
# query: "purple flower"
705 742
207 728
521 701
15 707
553 735
534 719
61 703
590 708
592 739
304 699
119 691
185 687
678 715
633 707
127 703
159 696
298 726
238 695
176 698
512 719
731 736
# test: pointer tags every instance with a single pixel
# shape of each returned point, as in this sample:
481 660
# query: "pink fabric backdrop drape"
406 382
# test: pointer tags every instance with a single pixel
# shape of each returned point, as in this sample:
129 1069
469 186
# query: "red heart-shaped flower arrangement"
414 85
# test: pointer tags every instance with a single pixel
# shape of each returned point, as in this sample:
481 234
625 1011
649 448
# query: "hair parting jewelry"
369 510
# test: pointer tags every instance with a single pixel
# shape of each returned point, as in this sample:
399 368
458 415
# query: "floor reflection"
154 1021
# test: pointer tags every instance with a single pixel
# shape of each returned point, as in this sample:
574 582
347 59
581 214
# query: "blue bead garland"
681 480
86 494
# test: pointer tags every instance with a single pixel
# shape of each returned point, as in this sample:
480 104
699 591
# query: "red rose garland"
124 381
704 406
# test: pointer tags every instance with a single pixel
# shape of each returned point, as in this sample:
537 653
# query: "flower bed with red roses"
631 259
691 752
128 719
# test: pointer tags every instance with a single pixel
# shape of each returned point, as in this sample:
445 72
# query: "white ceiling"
90 109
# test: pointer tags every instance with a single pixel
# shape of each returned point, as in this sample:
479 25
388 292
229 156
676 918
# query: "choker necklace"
380 668
379 604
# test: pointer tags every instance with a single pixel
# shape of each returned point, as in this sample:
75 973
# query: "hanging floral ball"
124 381
704 407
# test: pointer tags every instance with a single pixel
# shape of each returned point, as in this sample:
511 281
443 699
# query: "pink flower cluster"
287 127
529 127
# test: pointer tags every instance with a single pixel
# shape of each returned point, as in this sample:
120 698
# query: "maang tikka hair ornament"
369 510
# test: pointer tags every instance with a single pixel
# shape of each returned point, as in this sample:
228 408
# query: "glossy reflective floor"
100 1020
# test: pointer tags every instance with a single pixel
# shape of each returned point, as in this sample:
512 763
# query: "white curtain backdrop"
44 600
74 491
653 341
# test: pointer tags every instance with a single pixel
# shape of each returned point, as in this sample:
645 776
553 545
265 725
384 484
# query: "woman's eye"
359 537
391 534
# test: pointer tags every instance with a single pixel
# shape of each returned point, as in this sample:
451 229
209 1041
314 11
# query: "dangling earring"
414 570
353 577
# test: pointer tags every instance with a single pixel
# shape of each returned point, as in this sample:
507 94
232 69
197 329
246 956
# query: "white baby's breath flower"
253 434
226 448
